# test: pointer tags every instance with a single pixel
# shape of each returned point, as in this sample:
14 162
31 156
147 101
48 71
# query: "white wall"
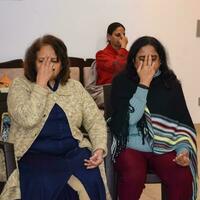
82 25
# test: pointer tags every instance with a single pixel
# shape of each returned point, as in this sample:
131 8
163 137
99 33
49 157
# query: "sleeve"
93 122
110 62
138 102
180 150
26 106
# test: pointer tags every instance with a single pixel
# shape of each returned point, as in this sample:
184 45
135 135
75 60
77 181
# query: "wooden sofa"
14 68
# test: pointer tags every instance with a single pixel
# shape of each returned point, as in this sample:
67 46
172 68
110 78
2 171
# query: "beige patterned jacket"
29 106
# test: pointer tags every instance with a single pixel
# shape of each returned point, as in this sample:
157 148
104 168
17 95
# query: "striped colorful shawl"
168 122
166 135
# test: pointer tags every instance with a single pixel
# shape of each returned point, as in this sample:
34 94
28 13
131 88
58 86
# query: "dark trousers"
132 165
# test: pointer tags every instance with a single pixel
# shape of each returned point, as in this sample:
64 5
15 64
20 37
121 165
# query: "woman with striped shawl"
151 125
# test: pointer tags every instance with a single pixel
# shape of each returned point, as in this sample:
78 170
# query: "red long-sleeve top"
109 62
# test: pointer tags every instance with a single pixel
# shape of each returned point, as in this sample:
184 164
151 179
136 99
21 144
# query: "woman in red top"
112 59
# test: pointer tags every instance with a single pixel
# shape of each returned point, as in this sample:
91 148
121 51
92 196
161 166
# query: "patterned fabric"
30 105
52 159
166 135
167 123
96 91
5 126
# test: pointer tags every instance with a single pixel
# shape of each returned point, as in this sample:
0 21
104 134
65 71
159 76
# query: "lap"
132 163
168 170
47 177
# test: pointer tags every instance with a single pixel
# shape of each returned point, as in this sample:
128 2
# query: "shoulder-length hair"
60 49
167 74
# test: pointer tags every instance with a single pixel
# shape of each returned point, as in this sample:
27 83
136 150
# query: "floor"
152 191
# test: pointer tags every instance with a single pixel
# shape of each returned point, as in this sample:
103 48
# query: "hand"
95 160
146 70
44 72
123 41
182 158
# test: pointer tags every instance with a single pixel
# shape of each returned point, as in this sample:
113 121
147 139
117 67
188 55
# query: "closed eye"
40 60
54 60
141 58
154 58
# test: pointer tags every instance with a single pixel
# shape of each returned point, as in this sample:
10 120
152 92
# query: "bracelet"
143 86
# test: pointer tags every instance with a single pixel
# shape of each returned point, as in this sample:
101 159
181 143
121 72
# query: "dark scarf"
167 110
165 97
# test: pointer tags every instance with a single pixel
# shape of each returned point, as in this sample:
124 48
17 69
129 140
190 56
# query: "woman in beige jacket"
47 108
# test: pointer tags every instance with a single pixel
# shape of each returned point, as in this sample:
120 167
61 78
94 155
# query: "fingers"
148 64
146 60
93 162
149 61
153 67
182 159
46 62
44 72
183 162
47 65
123 41
140 66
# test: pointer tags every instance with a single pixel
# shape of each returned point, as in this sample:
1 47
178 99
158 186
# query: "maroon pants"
132 165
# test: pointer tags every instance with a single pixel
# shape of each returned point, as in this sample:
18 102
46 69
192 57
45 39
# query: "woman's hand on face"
95 160
123 41
44 72
146 70
182 159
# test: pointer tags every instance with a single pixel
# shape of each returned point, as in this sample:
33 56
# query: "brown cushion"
75 73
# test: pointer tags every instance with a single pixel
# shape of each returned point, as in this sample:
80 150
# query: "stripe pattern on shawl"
168 115
169 135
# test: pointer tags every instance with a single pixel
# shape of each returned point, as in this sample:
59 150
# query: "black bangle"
143 86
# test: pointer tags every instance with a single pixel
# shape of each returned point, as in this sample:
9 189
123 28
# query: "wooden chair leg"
163 192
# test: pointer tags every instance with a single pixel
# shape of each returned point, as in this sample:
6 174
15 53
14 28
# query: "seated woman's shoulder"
21 79
74 83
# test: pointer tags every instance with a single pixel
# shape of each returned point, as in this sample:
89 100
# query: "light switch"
198 28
